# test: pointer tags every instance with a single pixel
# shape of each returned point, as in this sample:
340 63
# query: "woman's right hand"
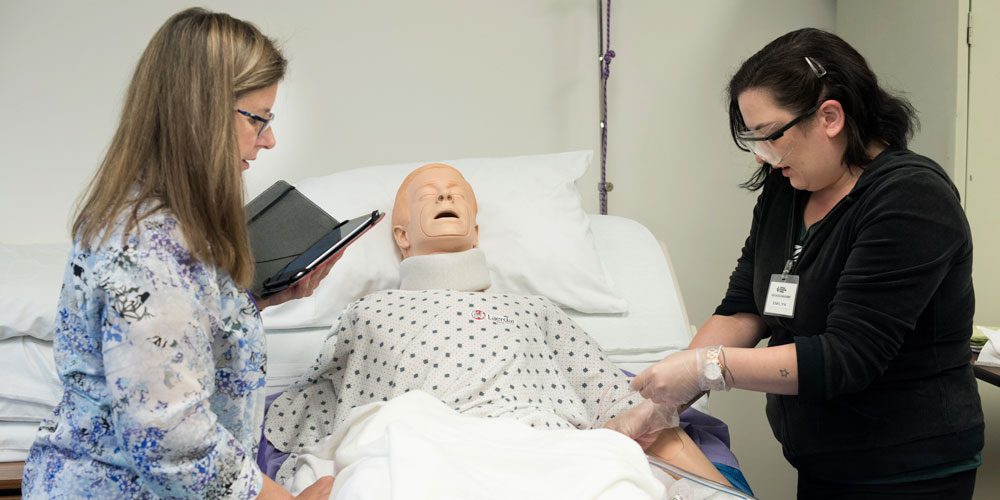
302 288
320 490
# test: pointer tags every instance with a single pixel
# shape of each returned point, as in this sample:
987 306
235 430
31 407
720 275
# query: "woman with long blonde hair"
158 345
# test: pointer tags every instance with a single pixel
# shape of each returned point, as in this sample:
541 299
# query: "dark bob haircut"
781 68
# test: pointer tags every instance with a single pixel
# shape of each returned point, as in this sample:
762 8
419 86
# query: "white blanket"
482 354
416 447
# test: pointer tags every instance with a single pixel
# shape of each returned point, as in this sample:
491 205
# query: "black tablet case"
283 223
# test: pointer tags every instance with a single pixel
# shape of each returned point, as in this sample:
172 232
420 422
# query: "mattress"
655 325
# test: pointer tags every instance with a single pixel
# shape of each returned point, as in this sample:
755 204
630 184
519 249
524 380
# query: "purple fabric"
711 435
708 432
269 459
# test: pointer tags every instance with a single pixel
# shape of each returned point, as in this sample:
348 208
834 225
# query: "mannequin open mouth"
447 214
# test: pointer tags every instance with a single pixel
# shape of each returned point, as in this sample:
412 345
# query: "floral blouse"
162 361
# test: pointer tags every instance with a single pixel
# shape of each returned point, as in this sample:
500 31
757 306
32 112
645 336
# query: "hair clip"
816 67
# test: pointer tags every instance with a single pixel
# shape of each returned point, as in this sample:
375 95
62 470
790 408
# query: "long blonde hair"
175 147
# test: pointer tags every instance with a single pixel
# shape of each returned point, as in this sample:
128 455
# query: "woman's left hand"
644 421
302 288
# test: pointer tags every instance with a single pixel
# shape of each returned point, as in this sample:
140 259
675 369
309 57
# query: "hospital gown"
162 361
481 353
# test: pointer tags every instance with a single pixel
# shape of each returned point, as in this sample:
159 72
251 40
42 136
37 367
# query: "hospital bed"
655 325
609 273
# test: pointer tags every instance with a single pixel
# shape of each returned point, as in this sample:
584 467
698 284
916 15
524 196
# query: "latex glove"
680 378
644 421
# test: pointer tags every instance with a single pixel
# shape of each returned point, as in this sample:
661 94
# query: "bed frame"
10 480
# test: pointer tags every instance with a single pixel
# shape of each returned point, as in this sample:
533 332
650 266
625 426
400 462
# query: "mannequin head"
434 212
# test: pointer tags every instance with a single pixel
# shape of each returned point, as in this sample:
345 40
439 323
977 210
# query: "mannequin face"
435 212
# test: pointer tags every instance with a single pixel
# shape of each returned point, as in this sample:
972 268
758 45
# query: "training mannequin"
435 212
481 353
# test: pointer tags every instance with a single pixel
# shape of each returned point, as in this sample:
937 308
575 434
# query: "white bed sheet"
29 371
290 353
16 439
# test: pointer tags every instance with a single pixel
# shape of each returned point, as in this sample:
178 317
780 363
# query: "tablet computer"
336 240
290 236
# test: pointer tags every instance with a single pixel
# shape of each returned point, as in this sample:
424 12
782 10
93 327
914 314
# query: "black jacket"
882 322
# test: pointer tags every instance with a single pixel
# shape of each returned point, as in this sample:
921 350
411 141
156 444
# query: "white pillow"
29 291
532 228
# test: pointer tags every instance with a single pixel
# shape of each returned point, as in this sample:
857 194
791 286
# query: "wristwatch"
714 371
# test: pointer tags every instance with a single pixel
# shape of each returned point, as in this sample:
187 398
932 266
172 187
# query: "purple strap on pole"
605 60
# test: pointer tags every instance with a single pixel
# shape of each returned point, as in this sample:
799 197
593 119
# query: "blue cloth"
162 361
735 478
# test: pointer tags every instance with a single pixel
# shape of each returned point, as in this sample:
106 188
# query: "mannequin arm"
676 448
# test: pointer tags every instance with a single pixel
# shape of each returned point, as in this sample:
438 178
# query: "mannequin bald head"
435 212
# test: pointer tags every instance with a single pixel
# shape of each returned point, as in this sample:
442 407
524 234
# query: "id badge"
781 295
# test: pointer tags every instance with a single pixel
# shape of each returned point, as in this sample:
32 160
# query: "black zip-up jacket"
881 325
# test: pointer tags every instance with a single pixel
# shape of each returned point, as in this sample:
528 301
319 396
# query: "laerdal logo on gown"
479 315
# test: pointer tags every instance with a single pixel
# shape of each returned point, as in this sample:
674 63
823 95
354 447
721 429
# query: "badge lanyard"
784 287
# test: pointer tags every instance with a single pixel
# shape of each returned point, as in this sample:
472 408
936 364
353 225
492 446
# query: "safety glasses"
762 142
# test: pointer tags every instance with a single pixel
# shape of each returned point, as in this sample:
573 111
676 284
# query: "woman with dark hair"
158 345
858 269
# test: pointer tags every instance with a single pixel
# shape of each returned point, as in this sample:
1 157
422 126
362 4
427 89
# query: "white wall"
672 161
387 81
369 83
372 82
918 49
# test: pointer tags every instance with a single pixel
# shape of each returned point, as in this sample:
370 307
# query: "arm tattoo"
783 372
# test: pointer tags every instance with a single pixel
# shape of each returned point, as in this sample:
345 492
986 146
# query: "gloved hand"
680 378
644 421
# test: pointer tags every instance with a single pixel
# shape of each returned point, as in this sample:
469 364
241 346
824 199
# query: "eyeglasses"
263 123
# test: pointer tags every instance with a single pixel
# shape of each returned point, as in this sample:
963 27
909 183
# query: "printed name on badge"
781 295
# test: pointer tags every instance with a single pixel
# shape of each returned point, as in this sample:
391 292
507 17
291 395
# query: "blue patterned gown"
162 361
